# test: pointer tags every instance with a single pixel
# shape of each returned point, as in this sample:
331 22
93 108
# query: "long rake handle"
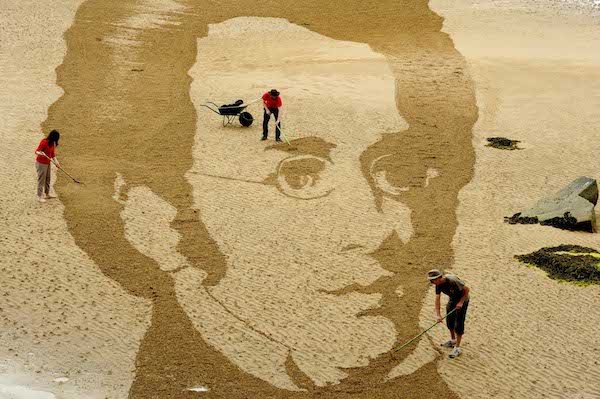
283 134
59 168
435 324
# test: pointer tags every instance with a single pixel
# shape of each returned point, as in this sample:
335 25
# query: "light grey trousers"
43 172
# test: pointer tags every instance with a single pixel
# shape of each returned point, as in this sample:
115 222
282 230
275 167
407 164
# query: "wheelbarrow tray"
230 113
231 110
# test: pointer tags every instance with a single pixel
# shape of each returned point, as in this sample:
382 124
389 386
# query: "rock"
572 208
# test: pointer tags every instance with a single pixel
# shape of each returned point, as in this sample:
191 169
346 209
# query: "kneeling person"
458 293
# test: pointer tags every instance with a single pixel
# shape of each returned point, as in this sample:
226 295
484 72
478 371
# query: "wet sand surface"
150 271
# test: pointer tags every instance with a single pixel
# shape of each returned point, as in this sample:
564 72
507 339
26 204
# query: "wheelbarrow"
232 111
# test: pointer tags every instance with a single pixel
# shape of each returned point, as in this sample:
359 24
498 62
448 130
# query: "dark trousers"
456 320
267 117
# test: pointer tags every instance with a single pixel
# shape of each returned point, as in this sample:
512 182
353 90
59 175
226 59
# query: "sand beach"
197 261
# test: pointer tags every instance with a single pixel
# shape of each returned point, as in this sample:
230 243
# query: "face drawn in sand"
233 261
299 223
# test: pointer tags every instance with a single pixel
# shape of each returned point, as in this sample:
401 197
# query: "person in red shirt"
45 153
272 103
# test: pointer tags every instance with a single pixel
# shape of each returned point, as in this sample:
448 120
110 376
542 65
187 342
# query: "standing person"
271 103
45 153
458 293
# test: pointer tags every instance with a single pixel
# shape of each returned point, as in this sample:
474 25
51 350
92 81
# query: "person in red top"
45 153
271 103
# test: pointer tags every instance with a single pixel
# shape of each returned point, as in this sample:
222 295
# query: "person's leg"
275 112
459 327
460 322
47 182
41 172
451 320
266 118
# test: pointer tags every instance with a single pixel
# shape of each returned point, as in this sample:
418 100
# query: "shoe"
455 353
277 139
41 199
449 344
263 138
48 196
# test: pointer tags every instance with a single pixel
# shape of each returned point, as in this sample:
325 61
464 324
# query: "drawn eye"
395 175
304 177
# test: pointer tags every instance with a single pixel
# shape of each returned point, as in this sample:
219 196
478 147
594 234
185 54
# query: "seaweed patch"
571 263
565 222
517 218
503 143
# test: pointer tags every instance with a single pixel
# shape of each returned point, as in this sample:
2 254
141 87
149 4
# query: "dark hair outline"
53 138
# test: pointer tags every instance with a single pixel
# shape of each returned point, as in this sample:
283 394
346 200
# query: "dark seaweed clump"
568 222
565 222
564 266
503 143
516 218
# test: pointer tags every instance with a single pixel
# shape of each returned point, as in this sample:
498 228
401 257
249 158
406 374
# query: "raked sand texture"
197 261
273 271
538 82
65 328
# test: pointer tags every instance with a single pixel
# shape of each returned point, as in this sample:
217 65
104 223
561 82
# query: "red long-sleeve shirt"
270 102
46 149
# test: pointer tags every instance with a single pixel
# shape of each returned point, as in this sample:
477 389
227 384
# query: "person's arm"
40 149
437 307
278 117
56 163
265 105
465 295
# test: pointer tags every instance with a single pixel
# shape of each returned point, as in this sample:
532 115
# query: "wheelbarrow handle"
216 111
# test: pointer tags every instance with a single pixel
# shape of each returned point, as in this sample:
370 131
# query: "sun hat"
274 93
433 274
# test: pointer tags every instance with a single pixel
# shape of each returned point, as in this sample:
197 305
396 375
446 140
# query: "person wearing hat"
458 294
271 103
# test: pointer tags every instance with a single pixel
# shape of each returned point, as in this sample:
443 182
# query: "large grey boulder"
572 208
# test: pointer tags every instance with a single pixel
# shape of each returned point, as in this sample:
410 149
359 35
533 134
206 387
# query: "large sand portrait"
296 268
300 224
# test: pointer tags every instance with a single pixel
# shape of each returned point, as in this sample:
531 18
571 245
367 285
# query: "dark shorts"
456 320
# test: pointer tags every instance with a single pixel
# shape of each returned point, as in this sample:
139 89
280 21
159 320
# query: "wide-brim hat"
434 274
274 93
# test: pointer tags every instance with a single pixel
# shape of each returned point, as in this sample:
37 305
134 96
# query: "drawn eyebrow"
307 145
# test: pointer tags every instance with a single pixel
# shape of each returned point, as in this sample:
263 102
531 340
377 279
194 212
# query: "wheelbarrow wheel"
246 119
